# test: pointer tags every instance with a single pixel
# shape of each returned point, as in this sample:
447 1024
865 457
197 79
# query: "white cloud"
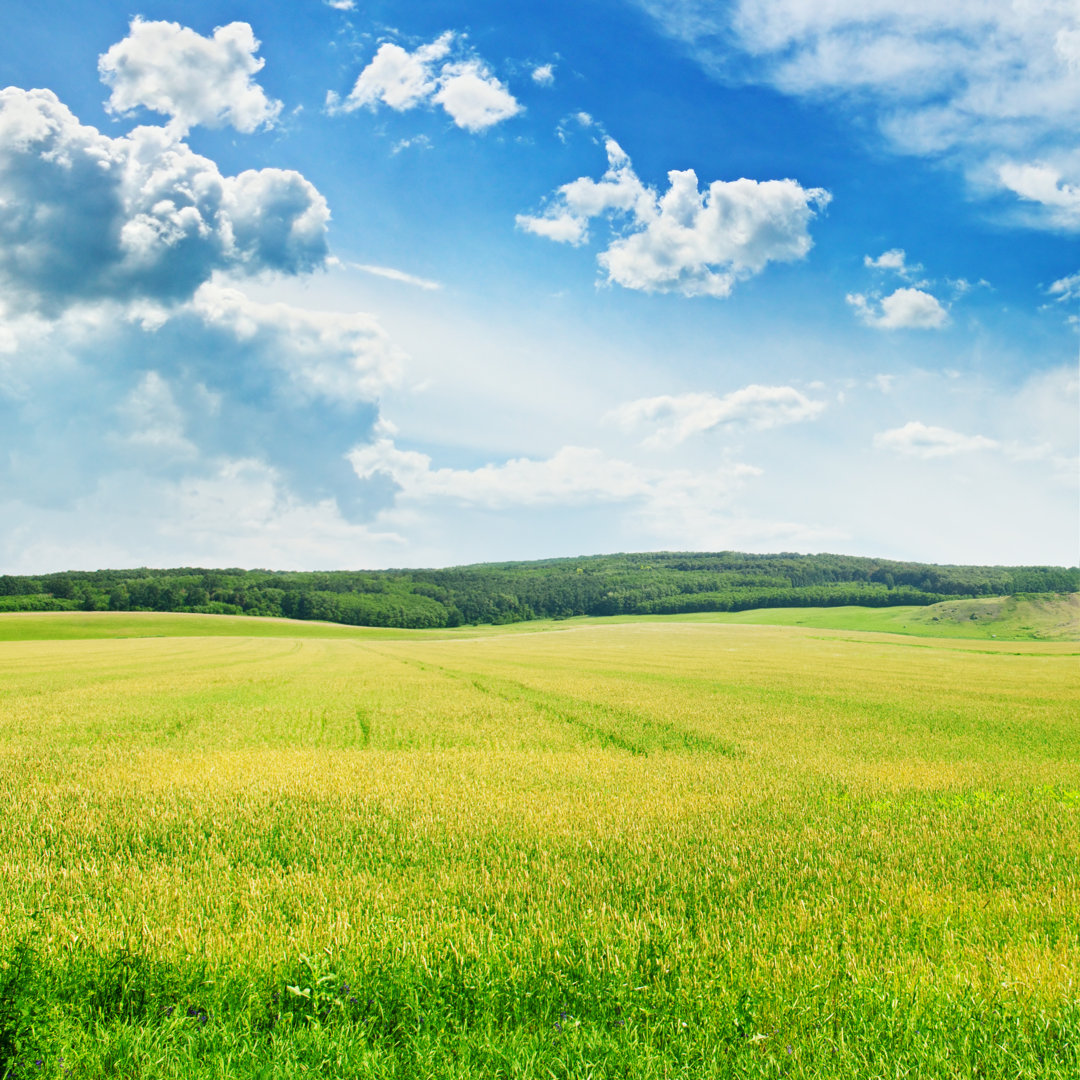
582 120
421 142
473 97
1066 288
674 508
566 218
240 513
464 86
543 75
170 69
345 358
87 217
342 5
132 367
1044 185
916 439
676 418
244 507
224 377
893 261
398 275
573 475
155 421
979 81
961 286
687 241
1048 404
399 78
904 309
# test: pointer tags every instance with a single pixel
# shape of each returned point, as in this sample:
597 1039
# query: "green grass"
655 848
1051 618
73 625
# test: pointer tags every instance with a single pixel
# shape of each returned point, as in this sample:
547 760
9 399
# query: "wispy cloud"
916 439
674 419
1066 288
993 85
398 275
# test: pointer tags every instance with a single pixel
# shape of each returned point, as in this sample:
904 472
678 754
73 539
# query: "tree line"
625 584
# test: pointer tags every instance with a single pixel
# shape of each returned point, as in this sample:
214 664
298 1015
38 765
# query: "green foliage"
34 602
498 593
16 1003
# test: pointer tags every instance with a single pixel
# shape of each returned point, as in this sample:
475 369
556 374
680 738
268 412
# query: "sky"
335 284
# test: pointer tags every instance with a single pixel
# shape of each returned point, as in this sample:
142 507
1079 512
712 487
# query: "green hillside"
655 583
1006 618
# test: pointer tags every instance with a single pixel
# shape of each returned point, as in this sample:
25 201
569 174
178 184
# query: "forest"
655 583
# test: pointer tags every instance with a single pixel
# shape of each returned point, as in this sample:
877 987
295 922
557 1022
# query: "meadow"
595 848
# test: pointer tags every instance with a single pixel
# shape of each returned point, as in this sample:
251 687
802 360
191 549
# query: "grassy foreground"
651 849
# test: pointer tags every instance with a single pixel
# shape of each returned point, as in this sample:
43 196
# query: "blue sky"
363 284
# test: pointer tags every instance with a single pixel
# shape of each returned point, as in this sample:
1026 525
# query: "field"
663 848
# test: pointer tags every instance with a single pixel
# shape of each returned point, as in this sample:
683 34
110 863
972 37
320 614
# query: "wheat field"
645 849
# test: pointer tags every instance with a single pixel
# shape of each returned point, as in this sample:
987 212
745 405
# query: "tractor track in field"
567 709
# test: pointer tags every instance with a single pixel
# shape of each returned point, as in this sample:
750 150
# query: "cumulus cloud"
473 97
893 261
442 73
130 360
399 78
978 82
222 378
172 70
543 75
338 357
916 439
574 474
674 419
685 240
904 309
88 217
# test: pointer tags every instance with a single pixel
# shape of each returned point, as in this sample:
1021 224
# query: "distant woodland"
647 584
